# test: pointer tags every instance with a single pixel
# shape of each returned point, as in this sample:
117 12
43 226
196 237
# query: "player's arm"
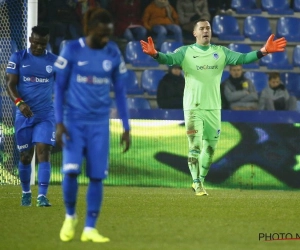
271 46
169 59
119 77
12 81
62 70
121 102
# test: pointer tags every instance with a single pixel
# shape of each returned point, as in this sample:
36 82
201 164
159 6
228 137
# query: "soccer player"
203 64
85 70
30 78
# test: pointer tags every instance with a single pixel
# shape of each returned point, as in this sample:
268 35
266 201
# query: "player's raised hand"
148 47
272 45
125 138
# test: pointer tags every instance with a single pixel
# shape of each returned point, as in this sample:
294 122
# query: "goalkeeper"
203 65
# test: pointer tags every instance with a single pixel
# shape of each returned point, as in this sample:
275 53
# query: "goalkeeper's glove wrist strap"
156 56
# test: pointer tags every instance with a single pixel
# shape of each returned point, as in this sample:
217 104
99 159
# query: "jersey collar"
202 47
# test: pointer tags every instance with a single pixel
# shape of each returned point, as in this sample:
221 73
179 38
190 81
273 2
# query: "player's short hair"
94 16
200 20
40 30
274 75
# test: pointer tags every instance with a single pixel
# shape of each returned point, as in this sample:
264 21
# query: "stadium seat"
150 80
138 103
291 81
168 47
136 57
7 47
298 105
259 79
296 5
296 56
225 75
288 27
276 61
245 7
277 7
243 48
132 84
226 28
257 28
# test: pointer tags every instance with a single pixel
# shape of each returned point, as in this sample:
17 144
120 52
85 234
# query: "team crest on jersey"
107 65
216 56
49 68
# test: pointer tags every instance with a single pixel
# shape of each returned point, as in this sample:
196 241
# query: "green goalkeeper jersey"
203 67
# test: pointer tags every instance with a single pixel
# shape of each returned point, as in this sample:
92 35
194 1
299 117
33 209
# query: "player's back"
90 72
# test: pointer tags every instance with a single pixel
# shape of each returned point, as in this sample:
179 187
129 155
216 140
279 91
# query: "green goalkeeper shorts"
203 123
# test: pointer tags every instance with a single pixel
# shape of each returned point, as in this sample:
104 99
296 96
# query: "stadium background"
257 150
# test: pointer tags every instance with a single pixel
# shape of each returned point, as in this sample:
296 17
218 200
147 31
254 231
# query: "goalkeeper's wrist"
264 51
155 56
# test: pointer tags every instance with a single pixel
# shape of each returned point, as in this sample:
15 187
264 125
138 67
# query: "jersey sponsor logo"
49 68
70 166
92 79
11 65
25 66
61 62
107 65
35 79
82 63
204 67
22 146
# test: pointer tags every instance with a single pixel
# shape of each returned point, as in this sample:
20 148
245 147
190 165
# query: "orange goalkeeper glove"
272 45
148 47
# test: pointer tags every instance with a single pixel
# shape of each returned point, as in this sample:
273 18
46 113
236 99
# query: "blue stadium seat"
150 80
296 56
277 7
259 79
226 28
245 7
243 48
225 75
291 81
132 84
288 27
135 56
276 61
138 103
296 5
7 47
168 47
257 28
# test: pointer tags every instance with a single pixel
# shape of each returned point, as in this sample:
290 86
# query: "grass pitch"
156 219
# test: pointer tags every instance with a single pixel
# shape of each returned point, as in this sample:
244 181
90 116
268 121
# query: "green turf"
157 219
